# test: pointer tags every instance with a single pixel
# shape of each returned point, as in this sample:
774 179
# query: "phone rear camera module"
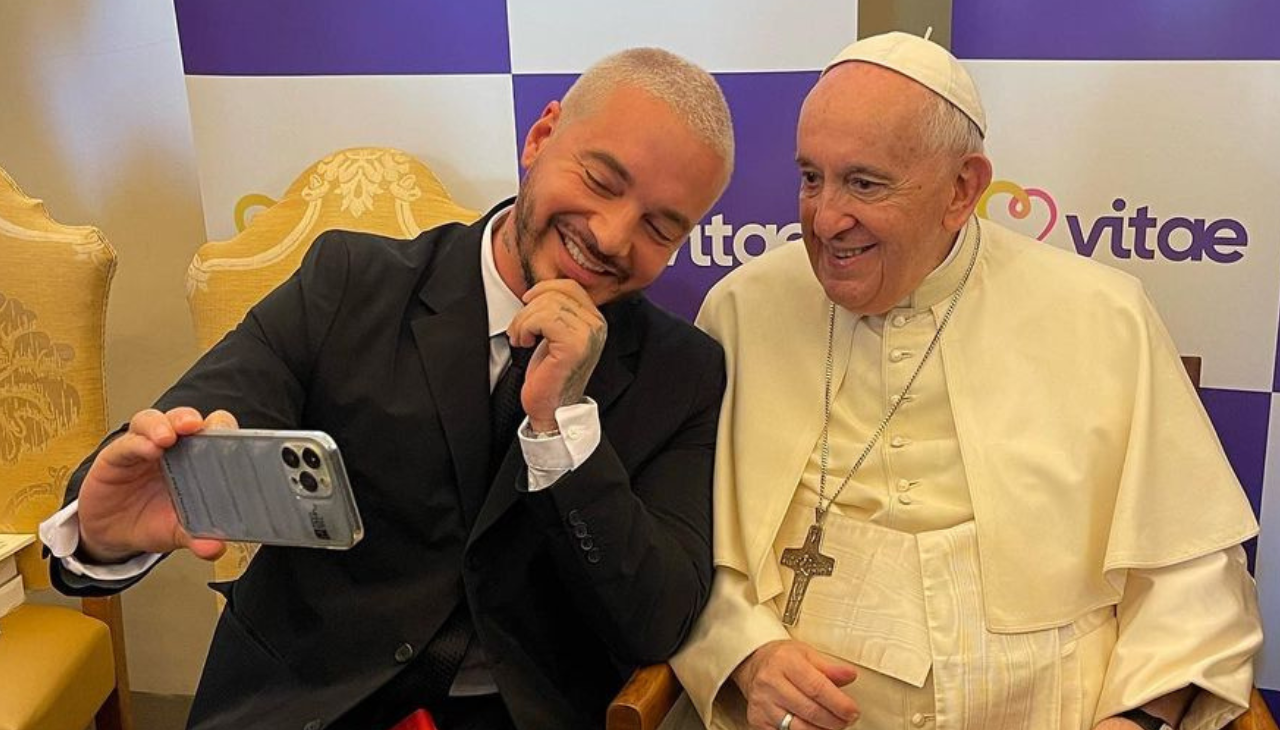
308 481
290 457
311 458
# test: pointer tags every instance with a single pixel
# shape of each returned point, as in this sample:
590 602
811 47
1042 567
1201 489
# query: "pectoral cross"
807 562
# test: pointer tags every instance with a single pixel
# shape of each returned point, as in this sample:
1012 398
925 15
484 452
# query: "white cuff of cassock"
551 457
61 534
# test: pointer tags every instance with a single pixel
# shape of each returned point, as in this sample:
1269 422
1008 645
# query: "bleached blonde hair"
686 88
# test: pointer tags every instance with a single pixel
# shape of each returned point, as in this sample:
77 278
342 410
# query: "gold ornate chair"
59 668
374 190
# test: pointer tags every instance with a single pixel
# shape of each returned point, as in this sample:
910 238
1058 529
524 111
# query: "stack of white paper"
11 591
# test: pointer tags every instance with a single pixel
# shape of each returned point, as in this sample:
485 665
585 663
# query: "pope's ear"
972 179
539 133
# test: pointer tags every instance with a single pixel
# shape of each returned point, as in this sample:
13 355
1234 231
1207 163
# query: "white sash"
901 605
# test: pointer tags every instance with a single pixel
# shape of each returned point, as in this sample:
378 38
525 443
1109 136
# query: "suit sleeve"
635 549
259 372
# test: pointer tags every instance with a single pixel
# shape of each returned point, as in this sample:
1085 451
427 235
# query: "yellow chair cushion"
54 281
55 668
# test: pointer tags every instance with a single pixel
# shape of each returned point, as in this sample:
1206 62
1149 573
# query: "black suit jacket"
384 345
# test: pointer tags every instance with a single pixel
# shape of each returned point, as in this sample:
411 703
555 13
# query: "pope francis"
962 480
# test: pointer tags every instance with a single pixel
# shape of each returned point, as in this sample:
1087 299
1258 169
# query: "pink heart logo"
1021 203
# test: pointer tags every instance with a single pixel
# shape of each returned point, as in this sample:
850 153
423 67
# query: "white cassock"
1046 534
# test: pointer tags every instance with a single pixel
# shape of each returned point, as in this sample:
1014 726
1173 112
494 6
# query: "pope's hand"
573 333
791 676
125 507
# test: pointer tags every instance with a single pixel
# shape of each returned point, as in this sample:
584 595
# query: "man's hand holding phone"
125 503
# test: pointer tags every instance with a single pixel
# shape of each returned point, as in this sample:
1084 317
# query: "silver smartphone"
264 486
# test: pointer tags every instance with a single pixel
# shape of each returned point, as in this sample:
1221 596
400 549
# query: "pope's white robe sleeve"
732 626
1192 623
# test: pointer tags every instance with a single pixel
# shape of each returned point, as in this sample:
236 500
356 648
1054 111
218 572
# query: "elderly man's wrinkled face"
877 202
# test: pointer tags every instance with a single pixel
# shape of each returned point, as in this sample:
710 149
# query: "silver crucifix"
807 562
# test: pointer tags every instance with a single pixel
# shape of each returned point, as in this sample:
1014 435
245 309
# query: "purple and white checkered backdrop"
1142 134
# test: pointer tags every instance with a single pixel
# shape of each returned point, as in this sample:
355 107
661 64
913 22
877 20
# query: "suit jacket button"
587 544
593 556
404 653
575 518
580 530
313 725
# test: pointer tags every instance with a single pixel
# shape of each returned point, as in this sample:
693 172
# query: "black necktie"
505 410
447 648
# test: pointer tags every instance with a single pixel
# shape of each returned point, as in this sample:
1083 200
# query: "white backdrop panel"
1201 143
567 36
1267 570
255 134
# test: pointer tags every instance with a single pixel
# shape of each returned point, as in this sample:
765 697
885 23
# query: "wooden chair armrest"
1257 717
645 699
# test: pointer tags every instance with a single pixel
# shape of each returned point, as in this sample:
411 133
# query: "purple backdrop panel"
1273 700
1109 30
1241 420
531 93
339 37
757 211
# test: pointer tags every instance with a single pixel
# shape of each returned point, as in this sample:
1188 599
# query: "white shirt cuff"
552 457
61 534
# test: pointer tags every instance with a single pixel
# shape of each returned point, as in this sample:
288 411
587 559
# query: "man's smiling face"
609 196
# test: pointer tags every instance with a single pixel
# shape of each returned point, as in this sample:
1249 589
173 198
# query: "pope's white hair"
948 130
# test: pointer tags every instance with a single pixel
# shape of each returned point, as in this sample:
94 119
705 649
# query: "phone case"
271 487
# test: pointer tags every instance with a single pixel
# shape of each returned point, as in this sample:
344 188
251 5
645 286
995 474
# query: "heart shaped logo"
1020 203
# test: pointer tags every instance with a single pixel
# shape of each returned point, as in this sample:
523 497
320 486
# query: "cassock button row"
580 530
586 543
575 518
404 653
593 556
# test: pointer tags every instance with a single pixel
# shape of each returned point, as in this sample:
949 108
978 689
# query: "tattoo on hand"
576 384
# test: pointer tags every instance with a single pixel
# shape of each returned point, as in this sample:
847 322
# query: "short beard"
521 238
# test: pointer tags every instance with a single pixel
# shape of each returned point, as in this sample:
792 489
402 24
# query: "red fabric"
419 720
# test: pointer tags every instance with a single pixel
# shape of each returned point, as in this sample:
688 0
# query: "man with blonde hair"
963 481
504 581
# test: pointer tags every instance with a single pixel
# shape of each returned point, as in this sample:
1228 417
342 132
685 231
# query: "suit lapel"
452 340
616 368
613 373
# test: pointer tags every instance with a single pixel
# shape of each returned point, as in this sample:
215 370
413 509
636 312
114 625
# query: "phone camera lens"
311 458
308 481
290 457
